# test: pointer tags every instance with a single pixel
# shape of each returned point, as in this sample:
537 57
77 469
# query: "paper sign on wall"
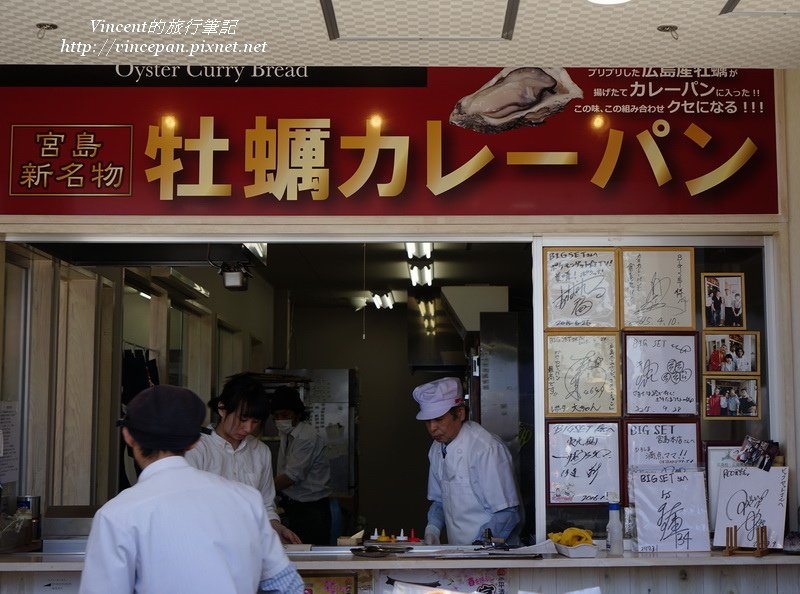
671 513
749 498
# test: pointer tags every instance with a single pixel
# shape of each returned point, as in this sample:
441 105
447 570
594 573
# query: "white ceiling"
569 33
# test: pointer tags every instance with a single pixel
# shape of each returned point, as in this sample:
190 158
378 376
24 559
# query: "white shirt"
474 480
742 363
179 529
302 457
250 463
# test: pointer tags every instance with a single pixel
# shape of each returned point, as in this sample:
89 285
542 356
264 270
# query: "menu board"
658 288
580 288
671 513
583 462
661 444
582 375
661 374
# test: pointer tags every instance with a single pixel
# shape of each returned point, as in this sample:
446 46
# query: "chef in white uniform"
180 529
471 479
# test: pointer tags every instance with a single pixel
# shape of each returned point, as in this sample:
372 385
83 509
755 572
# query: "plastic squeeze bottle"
614 545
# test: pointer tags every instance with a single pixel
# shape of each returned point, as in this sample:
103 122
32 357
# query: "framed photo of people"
736 352
724 303
731 398
660 373
657 288
582 375
583 462
580 288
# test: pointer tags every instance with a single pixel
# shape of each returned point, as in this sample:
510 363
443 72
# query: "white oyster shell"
516 97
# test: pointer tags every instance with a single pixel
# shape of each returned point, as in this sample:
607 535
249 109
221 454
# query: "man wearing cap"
173 531
471 479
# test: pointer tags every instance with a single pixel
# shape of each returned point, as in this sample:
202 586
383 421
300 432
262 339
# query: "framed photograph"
660 373
580 288
658 288
732 353
582 462
724 304
731 398
582 375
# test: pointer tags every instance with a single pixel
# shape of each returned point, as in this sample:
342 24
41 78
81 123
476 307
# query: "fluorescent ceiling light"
421 275
145 295
426 309
419 250
383 301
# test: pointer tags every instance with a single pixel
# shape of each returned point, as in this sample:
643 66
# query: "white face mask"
284 426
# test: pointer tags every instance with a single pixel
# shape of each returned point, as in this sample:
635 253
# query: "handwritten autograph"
586 377
670 523
747 508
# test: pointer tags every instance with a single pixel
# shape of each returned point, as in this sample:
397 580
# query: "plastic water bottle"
614 546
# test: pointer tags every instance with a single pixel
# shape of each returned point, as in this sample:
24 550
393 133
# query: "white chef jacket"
179 529
250 463
302 457
474 480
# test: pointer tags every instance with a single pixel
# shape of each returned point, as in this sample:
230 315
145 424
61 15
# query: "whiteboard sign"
658 288
580 287
662 444
582 374
748 498
583 462
671 513
661 374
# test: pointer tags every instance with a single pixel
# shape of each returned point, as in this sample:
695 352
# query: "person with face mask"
303 470
234 452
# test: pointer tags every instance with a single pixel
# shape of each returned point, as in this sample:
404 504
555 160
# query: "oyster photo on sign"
516 97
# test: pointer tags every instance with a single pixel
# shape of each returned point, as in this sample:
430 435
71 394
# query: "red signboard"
467 141
57 160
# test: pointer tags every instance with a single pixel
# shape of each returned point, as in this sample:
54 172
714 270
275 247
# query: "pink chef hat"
437 397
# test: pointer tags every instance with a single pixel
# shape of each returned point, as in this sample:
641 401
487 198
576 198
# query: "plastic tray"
581 551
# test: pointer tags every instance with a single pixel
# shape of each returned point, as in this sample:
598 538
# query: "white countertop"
39 562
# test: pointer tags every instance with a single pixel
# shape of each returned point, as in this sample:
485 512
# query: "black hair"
244 393
288 398
148 452
454 411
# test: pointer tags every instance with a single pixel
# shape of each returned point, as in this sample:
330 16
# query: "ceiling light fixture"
421 273
259 250
44 28
383 300
419 250
426 308
671 29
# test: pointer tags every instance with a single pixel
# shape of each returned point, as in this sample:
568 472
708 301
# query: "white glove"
431 535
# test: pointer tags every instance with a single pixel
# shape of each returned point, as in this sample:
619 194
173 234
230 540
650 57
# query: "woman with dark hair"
303 472
233 451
